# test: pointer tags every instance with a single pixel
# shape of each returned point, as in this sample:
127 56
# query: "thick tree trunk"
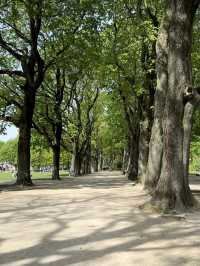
143 150
56 151
156 140
32 69
101 161
56 162
75 169
78 165
133 148
76 162
172 191
23 160
96 159
125 161
87 160
132 117
72 166
187 127
148 58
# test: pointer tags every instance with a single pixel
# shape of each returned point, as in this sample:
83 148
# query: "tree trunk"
56 162
23 160
72 166
78 165
76 162
132 117
143 150
187 127
96 160
75 169
87 160
156 140
172 192
124 161
148 58
101 161
133 147
56 151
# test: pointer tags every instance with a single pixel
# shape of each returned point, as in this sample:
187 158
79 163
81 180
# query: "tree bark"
133 148
143 150
86 165
124 161
56 162
172 189
148 58
76 162
23 160
60 85
101 161
156 140
187 127
96 159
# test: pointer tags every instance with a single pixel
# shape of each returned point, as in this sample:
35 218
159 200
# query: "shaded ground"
93 221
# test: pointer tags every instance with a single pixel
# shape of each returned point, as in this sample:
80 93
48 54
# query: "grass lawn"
8 176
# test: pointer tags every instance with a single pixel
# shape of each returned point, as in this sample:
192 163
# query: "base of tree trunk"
149 185
170 206
27 183
132 177
74 174
55 177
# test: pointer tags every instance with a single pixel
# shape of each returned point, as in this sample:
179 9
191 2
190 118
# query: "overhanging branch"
12 72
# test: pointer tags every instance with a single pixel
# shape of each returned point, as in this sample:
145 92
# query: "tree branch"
10 50
12 72
17 31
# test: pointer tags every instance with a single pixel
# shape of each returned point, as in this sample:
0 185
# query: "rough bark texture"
25 124
168 162
56 164
156 144
72 166
148 58
124 161
33 71
143 150
187 127
133 150
76 162
86 166
101 162
56 155
58 124
96 159
132 117
87 154
23 160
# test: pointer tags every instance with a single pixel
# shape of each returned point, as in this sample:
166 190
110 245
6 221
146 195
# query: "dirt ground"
93 221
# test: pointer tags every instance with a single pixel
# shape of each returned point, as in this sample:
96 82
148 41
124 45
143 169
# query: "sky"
11 133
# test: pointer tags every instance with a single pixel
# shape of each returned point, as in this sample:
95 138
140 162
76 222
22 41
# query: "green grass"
8 176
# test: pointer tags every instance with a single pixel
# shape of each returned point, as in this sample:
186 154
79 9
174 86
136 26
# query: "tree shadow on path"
92 221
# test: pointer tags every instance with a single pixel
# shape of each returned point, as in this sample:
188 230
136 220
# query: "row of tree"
106 81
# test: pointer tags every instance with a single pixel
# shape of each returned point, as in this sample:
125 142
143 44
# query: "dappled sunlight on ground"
93 221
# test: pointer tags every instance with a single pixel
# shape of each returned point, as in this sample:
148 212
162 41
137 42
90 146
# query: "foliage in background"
8 151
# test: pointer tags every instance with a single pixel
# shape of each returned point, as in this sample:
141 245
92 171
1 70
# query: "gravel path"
93 221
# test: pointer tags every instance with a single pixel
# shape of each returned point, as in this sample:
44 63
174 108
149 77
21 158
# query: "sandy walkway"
93 221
